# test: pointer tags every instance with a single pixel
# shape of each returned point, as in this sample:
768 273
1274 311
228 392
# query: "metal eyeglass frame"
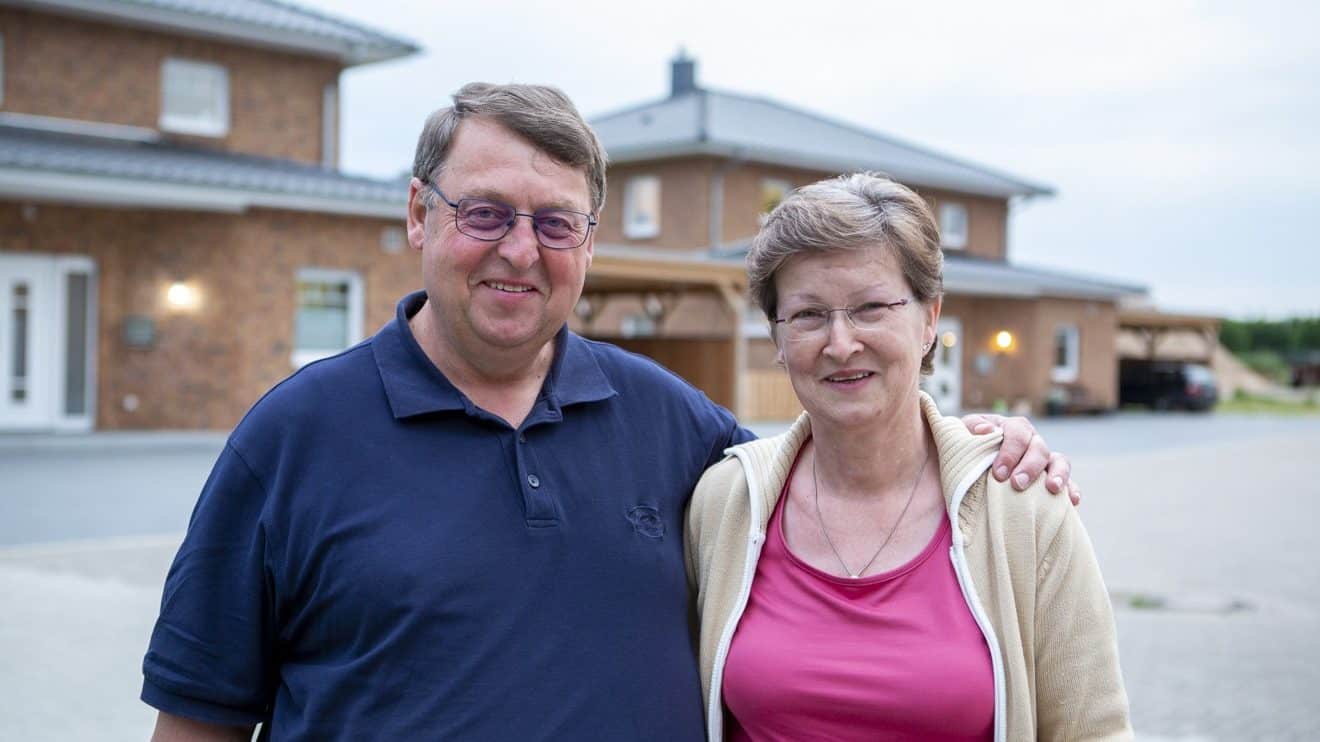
508 227
847 313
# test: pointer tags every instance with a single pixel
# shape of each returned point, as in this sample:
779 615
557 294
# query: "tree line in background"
1268 346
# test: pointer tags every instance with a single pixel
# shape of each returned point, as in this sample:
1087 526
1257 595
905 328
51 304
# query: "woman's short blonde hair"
857 211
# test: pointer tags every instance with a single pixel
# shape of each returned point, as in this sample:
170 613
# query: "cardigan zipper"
959 559
714 714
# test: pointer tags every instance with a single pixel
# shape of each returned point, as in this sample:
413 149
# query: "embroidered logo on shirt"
646 521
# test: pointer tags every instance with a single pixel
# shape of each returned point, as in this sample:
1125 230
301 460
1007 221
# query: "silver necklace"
815 490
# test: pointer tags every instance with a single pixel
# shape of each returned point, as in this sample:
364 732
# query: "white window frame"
330 126
950 211
1068 371
303 356
633 227
184 123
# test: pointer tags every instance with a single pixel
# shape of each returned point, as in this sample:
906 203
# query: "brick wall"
987 221
1023 372
210 365
70 68
684 203
685 193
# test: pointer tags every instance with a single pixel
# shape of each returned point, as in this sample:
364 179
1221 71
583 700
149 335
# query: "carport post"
736 302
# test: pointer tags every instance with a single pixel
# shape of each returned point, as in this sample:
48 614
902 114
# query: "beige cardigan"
1024 560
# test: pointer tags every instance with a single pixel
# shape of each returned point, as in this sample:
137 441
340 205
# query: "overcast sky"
1182 138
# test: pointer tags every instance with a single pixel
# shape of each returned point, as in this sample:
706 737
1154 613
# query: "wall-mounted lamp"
949 339
181 296
1004 341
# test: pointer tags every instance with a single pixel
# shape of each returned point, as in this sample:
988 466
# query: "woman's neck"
877 460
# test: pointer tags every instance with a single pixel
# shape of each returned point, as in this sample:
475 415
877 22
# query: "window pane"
641 208
322 321
953 225
195 97
19 367
75 349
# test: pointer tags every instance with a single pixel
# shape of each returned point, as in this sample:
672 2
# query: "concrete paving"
1202 523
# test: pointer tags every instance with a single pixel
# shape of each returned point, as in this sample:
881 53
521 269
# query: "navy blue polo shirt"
375 557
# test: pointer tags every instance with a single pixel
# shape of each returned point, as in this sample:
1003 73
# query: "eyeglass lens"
491 220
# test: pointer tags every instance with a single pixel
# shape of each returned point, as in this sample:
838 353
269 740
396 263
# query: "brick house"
175 235
692 175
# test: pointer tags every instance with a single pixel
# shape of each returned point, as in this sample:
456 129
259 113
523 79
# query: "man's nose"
520 246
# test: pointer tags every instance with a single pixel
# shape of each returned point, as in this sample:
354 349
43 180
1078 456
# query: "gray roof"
982 277
74 168
969 275
759 129
259 22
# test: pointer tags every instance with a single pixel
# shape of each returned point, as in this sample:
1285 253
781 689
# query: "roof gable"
760 129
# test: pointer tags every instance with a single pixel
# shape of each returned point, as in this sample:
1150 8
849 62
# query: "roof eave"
113 192
250 34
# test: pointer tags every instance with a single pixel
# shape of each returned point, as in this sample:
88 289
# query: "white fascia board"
28 185
218 28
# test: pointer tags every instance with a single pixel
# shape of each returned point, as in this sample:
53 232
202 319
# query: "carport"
1151 334
660 279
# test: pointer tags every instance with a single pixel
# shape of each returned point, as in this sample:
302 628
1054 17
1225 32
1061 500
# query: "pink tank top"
892 656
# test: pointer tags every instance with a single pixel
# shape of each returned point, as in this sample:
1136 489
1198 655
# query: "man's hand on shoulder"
1024 455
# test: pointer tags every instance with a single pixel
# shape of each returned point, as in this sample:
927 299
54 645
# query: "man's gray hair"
540 114
861 210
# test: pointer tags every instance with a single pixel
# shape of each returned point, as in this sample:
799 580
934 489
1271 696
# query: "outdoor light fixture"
949 339
181 296
1003 340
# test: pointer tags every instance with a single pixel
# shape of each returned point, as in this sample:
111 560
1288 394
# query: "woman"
828 607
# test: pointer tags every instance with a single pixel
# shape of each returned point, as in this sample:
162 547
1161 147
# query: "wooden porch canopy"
1152 325
619 269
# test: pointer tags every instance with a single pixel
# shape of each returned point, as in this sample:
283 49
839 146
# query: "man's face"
489 298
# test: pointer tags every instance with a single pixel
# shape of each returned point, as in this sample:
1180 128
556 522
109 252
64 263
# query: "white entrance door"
945 384
46 342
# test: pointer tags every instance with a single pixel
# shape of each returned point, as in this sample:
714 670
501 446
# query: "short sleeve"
211 656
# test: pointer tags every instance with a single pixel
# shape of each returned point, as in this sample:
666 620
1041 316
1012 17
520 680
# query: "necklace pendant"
854 576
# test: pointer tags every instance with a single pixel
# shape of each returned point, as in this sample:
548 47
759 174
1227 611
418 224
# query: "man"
468 526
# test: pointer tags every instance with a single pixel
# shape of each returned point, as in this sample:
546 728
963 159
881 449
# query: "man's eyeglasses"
486 220
811 321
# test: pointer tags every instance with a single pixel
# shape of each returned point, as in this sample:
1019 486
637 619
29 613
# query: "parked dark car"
1166 385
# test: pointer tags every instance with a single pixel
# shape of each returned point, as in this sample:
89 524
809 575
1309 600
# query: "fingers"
1058 473
1074 493
982 424
1016 453
1032 464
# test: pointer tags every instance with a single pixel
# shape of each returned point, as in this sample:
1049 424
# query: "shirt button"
522 438
534 480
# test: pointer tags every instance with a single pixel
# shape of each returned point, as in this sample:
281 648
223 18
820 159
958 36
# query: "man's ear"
417 191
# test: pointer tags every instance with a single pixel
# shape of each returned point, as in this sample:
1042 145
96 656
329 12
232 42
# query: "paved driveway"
1210 517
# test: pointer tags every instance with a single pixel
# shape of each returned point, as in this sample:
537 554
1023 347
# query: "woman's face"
842 375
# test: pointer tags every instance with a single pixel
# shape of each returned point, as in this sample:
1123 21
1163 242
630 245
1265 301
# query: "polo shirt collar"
414 386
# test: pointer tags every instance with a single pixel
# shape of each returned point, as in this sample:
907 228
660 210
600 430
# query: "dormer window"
953 225
194 98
